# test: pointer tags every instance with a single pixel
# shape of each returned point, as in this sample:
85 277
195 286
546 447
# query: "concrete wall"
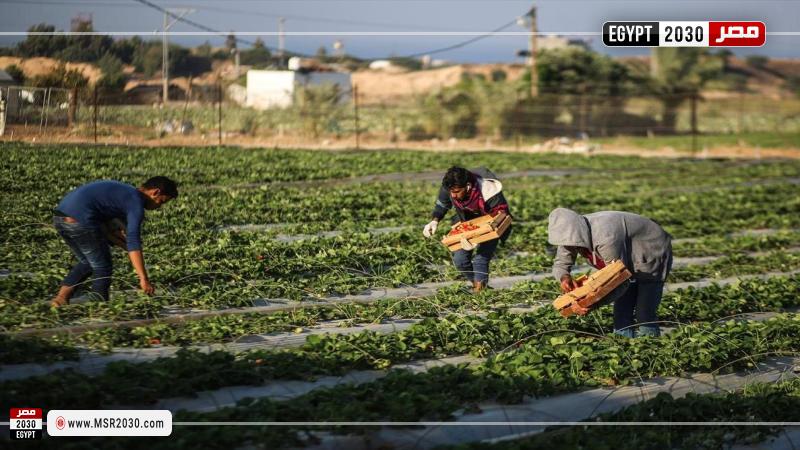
275 88
270 88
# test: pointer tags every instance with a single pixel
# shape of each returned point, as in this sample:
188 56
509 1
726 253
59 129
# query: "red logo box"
26 413
737 34
25 423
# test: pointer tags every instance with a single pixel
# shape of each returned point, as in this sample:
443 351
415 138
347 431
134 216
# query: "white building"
555 42
275 88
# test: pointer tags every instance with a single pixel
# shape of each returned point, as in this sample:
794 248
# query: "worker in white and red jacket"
473 193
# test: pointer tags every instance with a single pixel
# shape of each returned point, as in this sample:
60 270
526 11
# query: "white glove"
467 245
430 228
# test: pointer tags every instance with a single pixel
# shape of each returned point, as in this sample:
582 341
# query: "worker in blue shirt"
80 218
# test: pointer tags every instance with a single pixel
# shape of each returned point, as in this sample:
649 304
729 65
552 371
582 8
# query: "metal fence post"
219 113
41 114
2 113
73 107
694 121
94 113
47 109
355 106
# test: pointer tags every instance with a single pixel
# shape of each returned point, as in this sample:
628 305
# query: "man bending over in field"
640 243
80 217
473 193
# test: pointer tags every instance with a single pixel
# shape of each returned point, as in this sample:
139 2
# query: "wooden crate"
593 288
486 228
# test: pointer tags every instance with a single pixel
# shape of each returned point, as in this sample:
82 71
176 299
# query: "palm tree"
678 74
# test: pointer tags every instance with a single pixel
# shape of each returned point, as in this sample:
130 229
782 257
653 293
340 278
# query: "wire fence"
213 115
37 108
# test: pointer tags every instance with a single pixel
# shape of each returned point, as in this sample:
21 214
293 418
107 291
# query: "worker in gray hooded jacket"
640 243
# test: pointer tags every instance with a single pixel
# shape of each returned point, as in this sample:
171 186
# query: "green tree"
61 77
41 45
125 49
319 108
230 42
493 99
679 74
259 55
757 61
114 78
499 75
792 83
205 49
87 48
68 48
591 88
451 112
408 63
183 63
726 55
147 59
16 73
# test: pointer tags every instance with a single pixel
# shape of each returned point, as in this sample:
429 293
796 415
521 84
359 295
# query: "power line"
206 28
309 18
462 44
296 17
200 25
188 21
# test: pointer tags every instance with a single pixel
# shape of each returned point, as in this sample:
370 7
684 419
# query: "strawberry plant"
320 213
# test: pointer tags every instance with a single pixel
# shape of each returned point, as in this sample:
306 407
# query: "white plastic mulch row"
568 407
283 390
177 315
572 407
92 363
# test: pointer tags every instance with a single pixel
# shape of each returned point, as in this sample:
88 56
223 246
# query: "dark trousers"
638 305
91 249
476 268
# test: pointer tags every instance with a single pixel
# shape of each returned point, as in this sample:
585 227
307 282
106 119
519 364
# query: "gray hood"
567 228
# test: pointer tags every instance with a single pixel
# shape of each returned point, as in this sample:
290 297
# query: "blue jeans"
640 300
476 268
91 249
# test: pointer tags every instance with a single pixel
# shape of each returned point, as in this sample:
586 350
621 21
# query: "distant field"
751 119
684 142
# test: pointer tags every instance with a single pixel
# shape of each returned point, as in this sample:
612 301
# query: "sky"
416 16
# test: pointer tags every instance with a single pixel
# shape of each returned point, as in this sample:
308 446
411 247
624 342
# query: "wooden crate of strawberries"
593 288
481 229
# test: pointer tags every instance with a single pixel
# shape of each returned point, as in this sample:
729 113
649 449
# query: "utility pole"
165 48
281 40
532 49
165 62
